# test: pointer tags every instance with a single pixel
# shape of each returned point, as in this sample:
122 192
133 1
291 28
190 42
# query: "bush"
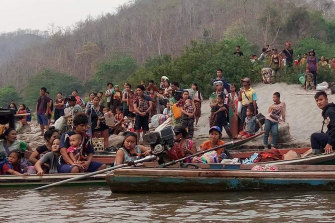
8 94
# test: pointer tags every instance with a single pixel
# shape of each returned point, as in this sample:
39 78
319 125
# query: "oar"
206 151
148 158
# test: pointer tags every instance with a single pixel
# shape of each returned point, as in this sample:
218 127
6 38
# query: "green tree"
8 94
54 82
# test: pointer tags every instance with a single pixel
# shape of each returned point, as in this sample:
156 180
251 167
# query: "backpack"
29 116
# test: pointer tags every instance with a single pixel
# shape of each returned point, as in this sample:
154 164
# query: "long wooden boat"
321 159
288 177
34 180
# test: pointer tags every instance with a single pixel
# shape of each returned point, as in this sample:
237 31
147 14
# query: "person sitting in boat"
49 137
130 151
50 159
214 141
85 163
12 165
9 142
182 145
249 126
324 142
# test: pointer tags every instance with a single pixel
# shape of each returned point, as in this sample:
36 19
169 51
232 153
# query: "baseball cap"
215 128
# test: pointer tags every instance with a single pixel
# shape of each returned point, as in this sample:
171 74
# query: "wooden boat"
309 160
34 180
106 158
288 177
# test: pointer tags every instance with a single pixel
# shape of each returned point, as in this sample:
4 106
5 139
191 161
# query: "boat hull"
34 180
161 180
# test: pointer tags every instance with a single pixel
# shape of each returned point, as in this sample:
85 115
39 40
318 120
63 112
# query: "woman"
96 117
90 101
197 98
59 106
312 66
49 136
130 151
233 110
188 110
275 63
182 146
9 143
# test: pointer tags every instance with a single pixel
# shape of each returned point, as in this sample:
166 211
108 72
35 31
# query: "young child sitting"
309 81
12 164
50 159
249 127
75 147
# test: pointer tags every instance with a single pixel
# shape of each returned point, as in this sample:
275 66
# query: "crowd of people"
133 112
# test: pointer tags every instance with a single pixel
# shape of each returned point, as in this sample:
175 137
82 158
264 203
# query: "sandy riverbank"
303 116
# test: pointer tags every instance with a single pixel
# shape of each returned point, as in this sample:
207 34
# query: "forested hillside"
13 42
148 33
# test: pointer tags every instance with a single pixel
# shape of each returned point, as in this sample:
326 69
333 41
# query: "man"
42 108
247 97
142 107
177 92
238 51
288 52
109 95
72 108
85 164
324 142
219 77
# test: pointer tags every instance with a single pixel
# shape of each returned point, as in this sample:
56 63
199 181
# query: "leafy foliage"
199 62
54 82
8 94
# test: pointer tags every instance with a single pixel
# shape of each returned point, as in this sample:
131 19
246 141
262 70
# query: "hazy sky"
40 14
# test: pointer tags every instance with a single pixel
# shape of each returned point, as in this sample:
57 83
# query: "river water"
98 204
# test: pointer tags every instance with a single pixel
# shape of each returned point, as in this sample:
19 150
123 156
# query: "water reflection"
97 204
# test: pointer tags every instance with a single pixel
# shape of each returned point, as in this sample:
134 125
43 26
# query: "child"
276 111
221 113
12 165
109 117
51 159
75 147
167 111
116 98
188 111
309 81
249 127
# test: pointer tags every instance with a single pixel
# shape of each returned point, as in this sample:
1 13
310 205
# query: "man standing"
109 95
238 51
42 108
288 52
219 77
247 97
324 142
142 107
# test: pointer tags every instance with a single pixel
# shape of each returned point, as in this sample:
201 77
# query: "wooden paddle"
148 158
232 143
